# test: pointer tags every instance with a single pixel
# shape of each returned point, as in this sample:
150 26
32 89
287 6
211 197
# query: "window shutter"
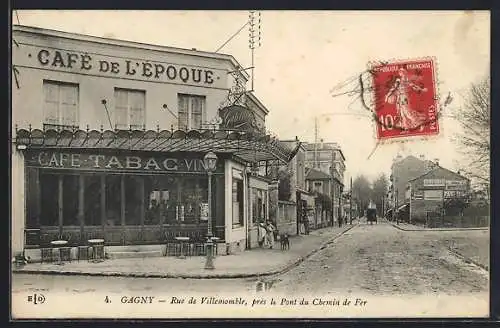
183 112
137 101
197 112
51 102
69 104
121 109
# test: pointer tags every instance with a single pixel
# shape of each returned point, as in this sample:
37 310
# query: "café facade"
109 139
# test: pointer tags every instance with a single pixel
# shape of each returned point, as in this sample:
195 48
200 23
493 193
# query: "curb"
466 259
436 229
284 269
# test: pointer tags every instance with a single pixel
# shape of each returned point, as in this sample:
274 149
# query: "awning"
247 146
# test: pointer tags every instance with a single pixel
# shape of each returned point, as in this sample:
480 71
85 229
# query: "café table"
97 246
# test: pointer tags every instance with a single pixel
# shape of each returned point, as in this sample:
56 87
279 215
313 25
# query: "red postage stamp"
406 101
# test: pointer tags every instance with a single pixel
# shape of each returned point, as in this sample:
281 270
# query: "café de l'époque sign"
117 162
120 67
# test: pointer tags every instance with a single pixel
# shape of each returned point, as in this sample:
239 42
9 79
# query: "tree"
362 190
379 190
474 140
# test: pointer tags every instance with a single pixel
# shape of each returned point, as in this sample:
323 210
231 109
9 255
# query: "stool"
58 246
97 249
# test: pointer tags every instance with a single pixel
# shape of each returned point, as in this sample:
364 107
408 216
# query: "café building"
109 140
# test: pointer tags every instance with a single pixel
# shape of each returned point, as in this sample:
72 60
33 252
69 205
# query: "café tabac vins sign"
126 163
120 67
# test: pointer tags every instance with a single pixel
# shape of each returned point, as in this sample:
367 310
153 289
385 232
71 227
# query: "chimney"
436 161
422 157
321 143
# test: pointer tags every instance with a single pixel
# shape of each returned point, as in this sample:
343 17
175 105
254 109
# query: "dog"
284 241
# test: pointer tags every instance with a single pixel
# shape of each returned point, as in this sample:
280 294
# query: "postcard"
250 164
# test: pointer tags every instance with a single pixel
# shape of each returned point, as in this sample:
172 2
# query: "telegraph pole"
315 141
254 37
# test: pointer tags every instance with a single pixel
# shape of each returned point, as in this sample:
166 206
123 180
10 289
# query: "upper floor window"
191 111
130 108
60 104
318 186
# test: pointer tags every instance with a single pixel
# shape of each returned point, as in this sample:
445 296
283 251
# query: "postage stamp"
406 102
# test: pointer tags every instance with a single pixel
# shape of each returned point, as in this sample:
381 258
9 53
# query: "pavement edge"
436 229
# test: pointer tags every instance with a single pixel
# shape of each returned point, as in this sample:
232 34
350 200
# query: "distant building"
420 186
402 171
430 192
328 158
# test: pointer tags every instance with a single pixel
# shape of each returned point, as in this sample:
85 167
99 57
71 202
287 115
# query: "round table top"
96 241
59 242
182 238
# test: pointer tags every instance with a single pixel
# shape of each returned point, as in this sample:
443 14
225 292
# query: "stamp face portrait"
406 102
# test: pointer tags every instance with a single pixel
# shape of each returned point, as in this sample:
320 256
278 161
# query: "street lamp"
210 161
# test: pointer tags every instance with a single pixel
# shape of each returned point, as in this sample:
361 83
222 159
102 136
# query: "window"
318 186
237 198
130 108
59 199
191 111
60 104
259 205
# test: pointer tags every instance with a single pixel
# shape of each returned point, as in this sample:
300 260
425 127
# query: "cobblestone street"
380 259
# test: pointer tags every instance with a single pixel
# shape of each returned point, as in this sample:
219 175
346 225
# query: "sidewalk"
472 247
411 227
251 263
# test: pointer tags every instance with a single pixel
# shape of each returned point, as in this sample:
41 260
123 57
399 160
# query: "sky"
304 54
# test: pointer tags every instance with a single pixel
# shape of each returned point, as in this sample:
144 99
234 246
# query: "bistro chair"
83 252
172 246
46 255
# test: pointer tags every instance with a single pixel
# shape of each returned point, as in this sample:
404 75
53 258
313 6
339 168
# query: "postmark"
405 98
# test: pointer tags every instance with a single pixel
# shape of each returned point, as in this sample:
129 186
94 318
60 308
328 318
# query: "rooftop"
314 174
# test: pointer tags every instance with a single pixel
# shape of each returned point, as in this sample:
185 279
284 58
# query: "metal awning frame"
251 148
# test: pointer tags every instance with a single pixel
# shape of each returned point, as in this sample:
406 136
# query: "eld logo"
36 299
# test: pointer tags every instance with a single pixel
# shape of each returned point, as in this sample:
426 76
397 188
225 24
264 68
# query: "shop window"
130 108
59 196
70 188
133 200
60 105
92 200
191 111
49 185
237 199
113 200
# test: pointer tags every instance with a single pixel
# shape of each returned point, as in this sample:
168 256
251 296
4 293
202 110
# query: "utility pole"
254 38
315 142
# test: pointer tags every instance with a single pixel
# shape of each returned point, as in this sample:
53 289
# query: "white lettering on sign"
433 182
113 162
102 65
